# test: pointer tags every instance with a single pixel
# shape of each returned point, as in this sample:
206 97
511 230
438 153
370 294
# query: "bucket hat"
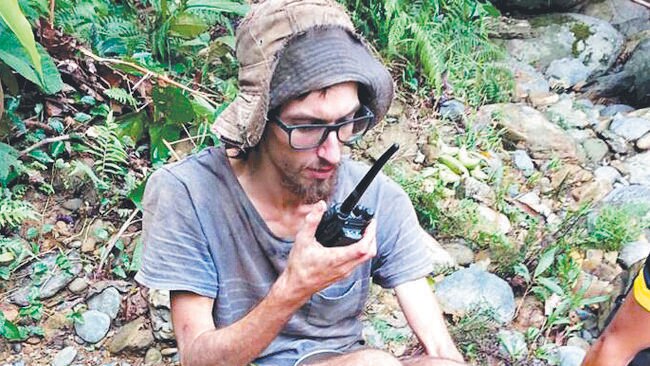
261 38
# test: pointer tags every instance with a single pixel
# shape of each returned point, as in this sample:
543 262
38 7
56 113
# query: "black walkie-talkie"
343 223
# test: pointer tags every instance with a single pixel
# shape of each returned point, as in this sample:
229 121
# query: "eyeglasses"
305 137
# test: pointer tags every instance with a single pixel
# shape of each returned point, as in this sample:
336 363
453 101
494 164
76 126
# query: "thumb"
308 229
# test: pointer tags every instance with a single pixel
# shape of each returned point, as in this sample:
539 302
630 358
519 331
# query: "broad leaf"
545 261
132 125
9 163
222 6
521 270
187 25
158 134
551 285
10 331
15 19
15 56
173 105
136 259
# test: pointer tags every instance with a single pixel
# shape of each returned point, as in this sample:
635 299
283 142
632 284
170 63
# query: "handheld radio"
343 223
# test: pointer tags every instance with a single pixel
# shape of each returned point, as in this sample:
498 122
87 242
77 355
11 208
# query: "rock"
491 221
638 65
528 81
107 301
595 286
512 344
563 114
581 135
591 192
469 288
169 351
592 41
537 6
528 126
633 252
461 253
615 12
607 173
73 204
571 355
78 285
478 190
578 342
644 142
532 200
540 99
531 314
9 311
64 357
88 244
639 167
566 72
612 110
58 278
595 149
94 327
633 27
159 299
159 310
153 357
453 110
132 337
629 195
630 128
523 162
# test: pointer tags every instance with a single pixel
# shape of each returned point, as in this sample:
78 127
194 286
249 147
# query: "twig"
52 12
38 124
643 3
45 142
114 239
144 70
189 134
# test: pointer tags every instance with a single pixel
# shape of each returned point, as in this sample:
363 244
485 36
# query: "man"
230 232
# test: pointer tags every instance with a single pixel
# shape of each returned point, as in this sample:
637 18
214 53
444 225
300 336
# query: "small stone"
88 245
540 98
132 336
107 301
607 174
571 355
644 142
512 344
169 351
639 167
613 109
630 128
10 311
578 342
159 299
478 190
492 221
461 253
73 204
65 356
78 285
634 252
152 357
592 191
94 327
596 149
452 110
523 162
75 244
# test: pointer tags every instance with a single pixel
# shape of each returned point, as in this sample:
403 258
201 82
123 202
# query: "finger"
308 229
360 251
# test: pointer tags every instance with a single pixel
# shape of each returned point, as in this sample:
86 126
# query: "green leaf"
15 56
550 284
136 259
82 117
41 156
15 19
222 6
119 272
187 25
137 193
521 270
593 300
8 161
173 105
132 125
10 331
57 148
545 261
158 133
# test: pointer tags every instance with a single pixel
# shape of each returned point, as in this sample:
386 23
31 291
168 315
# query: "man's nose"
330 149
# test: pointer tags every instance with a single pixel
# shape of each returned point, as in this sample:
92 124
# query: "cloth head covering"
304 38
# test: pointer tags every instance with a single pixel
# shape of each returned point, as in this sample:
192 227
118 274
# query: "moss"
581 32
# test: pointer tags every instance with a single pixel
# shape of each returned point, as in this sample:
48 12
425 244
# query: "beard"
310 191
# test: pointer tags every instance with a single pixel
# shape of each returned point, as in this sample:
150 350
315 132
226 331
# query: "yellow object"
641 291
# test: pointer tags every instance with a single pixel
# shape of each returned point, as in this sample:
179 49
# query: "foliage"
19 50
615 226
13 212
447 39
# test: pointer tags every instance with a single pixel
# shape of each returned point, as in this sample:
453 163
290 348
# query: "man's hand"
311 267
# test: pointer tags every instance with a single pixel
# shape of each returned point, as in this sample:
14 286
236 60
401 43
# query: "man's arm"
310 268
425 318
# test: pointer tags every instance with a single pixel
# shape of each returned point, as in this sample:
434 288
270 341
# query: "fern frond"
121 96
14 212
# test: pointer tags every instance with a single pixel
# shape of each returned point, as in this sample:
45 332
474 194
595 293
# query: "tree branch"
642 3
45 142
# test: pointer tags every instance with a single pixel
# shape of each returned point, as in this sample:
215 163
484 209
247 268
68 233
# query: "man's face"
311 174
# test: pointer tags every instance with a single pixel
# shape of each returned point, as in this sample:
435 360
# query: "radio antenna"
353 198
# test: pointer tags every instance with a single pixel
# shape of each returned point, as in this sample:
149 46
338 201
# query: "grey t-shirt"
202 234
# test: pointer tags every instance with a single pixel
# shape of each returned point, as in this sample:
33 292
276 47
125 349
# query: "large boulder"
615 12
594 42
536 6
639 66
532 129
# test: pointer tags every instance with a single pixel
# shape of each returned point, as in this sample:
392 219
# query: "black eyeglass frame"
327 128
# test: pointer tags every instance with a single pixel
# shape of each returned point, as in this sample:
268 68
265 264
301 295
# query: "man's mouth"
322 172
